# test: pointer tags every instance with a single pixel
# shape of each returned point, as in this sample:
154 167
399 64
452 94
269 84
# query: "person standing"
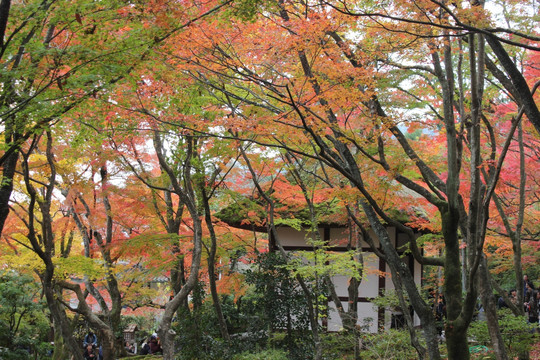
155 345
145 347
527 292
90 339
440 314
90 353
533 307
527 287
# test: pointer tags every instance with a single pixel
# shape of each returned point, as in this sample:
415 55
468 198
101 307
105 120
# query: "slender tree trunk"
312 318
490 309
399 268
408 319
455 329
211 268
515 233
184 190
44 249
215 299
166 334
6 187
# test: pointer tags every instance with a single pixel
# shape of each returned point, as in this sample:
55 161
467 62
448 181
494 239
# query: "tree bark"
166 334
490 309
44 249
60 320
212 271
519 82
6 187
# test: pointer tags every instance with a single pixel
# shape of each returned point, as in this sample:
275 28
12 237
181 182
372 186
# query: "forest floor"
535 352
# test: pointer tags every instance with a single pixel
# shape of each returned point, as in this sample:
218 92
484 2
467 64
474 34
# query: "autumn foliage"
150 150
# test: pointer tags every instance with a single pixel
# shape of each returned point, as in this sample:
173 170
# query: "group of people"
531 300
151 346
531 304
93 352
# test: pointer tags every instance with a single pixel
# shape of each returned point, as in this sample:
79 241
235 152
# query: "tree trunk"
490 308
312 318
456 342
61 350
166 334
44 249
6 187
456 325
408 319
108 343
167 341
217 302
399 268
184 190
61 321
211 267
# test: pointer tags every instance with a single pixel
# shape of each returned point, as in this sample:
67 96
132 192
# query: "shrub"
518 336
338 345
24 323
391 344
270 354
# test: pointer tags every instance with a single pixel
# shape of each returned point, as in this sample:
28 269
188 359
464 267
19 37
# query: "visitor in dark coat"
90 353
155 345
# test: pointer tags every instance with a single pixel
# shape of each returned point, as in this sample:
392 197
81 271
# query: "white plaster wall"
369 287
291 237
367 312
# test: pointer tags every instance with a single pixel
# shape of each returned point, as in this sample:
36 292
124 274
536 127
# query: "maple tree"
74 62
183 171
101 228
342 96
54 56
72 209
515 214
410 115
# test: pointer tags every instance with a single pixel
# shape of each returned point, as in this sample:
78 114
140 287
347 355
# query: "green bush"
518 336
479 334
272 314
338 345
390 344
277 303
270 354
24 322
198 335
